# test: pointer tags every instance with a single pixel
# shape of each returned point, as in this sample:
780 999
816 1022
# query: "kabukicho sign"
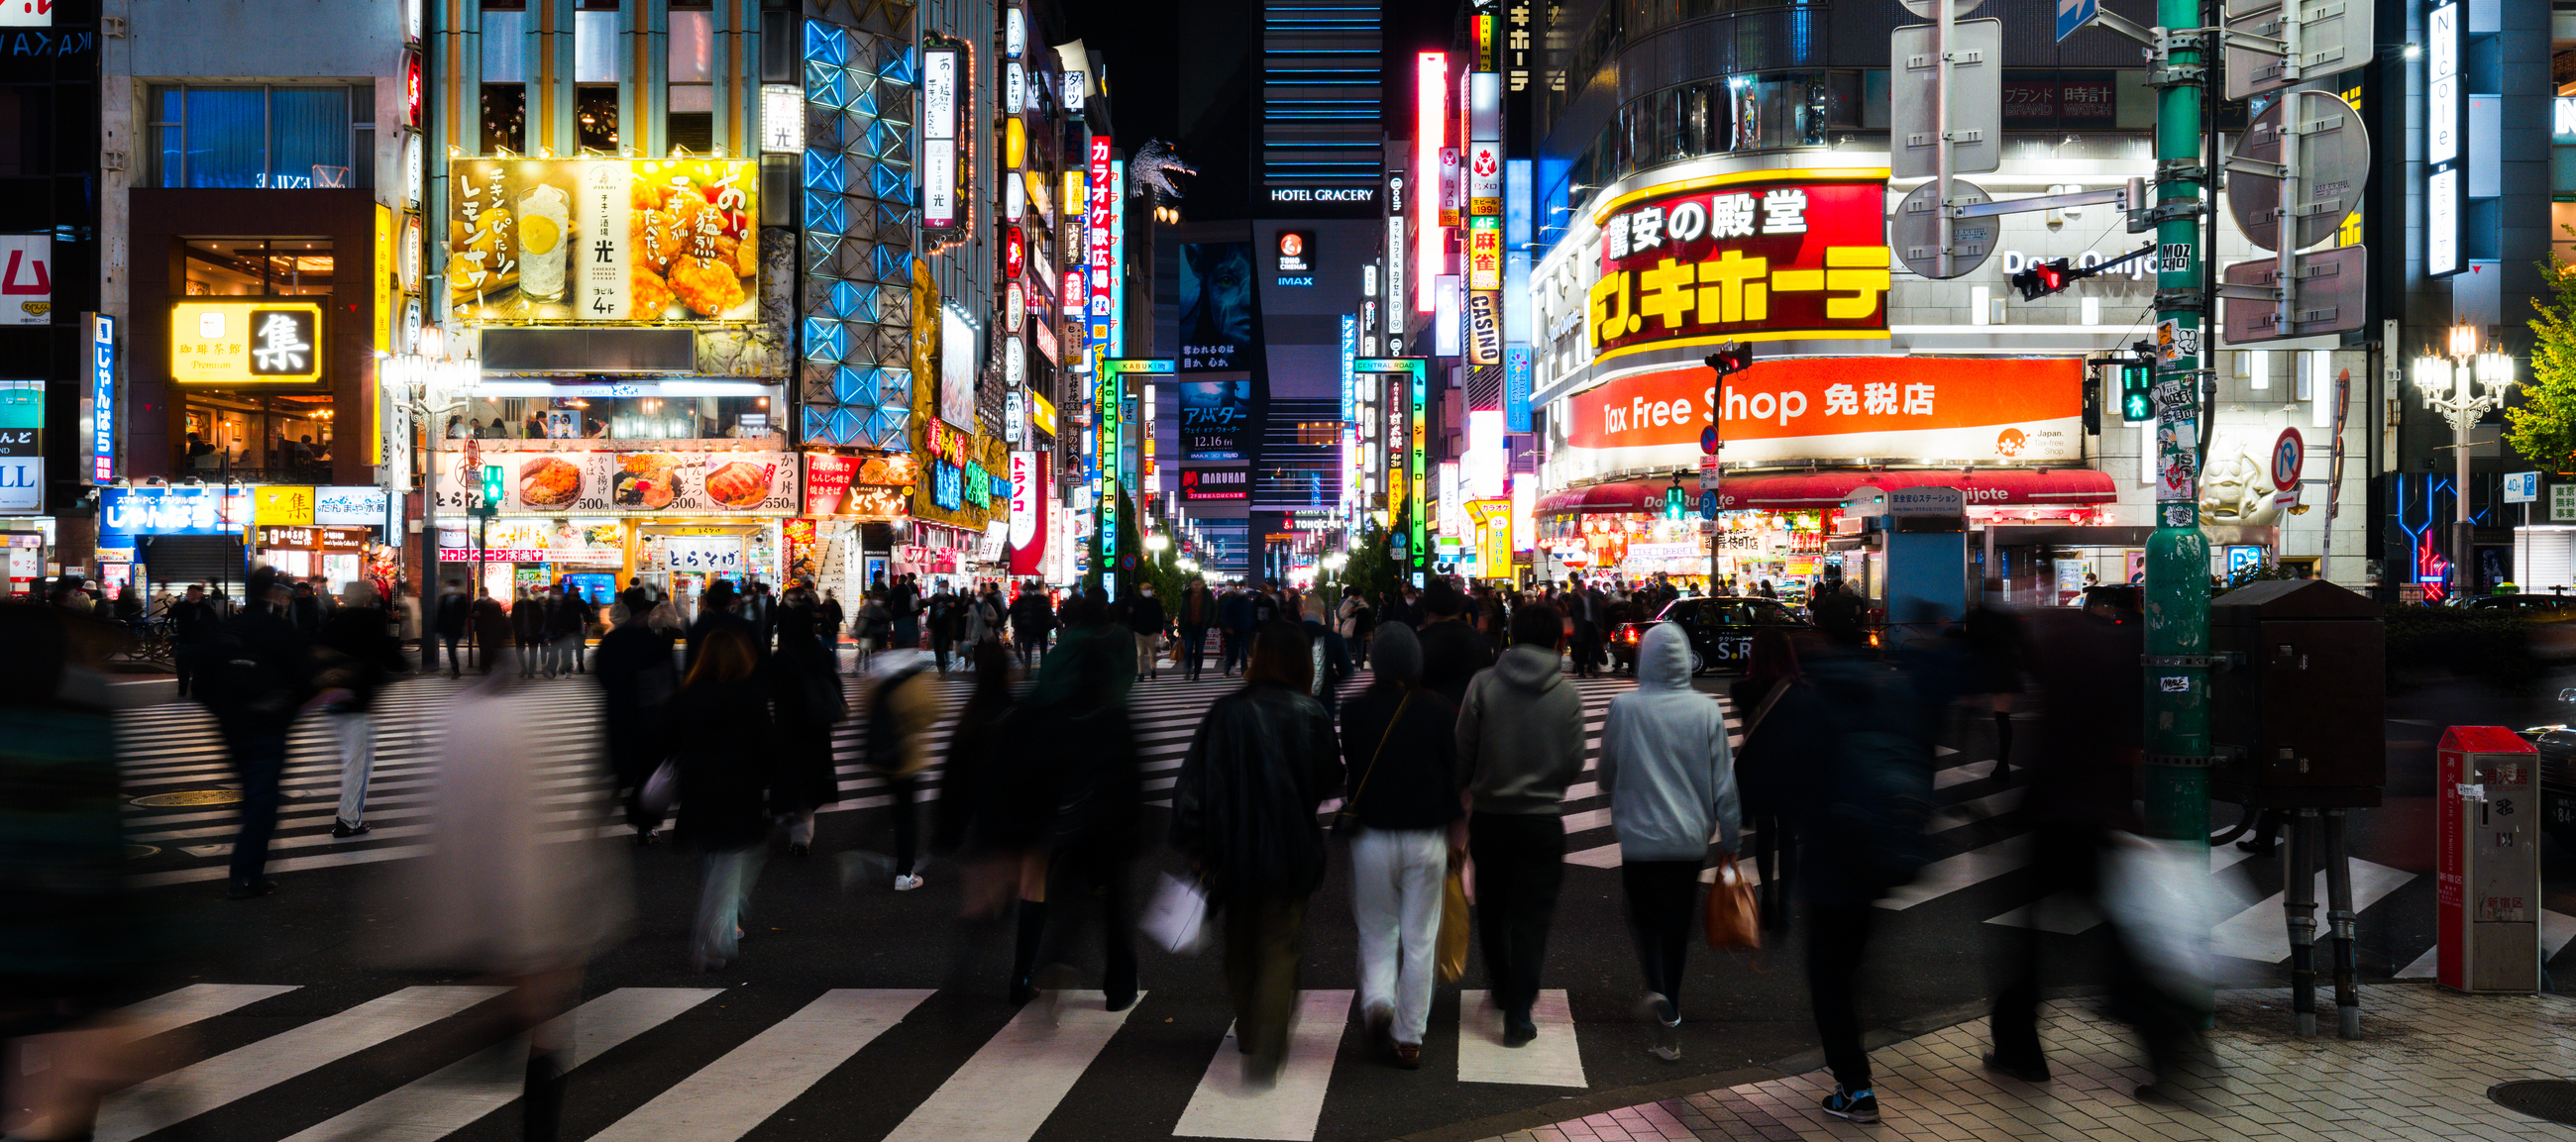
1840 409
1750 256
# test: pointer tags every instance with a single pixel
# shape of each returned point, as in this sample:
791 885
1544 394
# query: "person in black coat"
1244 809
454 610
528 631
718 729
636 680
1094 778
1766 767
253 703
805 692
716 610
192 624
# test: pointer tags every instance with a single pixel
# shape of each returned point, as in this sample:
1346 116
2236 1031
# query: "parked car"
1721 630
2550 608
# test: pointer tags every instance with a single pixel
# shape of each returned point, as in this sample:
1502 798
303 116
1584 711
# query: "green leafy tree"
2542 426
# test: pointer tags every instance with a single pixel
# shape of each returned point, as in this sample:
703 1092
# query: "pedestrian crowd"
1441 782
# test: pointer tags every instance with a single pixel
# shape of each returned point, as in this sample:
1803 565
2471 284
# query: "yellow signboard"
272 342
386 319
282 505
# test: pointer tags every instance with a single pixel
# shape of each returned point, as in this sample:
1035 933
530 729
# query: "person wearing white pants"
356 734
1404 791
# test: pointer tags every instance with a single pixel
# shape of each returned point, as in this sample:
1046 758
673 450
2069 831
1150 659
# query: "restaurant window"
505 78
281 138
258 267
1319 434
595 120
693 94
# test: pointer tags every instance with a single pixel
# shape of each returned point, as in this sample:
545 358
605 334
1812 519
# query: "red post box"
2487 837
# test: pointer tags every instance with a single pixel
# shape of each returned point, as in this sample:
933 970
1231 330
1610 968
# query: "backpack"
824 700
239 681
1880 805
885 738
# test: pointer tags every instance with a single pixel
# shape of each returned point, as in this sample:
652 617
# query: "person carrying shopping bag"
1671 780
1400 752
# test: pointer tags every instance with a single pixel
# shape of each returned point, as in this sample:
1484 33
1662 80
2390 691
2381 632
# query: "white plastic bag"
1177 918
660 789
2157 894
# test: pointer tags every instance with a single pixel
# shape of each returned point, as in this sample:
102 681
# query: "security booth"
2487 849
2298 703
1906 553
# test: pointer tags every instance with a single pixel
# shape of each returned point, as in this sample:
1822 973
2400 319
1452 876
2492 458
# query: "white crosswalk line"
2064 913
1963 774
461 1093
2262 932
1950 874
1033 1059
1224 1107
193 1003
203 1086
1552 1059
1949 817
727 1098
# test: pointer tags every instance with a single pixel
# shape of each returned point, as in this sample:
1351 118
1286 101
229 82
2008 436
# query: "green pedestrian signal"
1673 502
489 495
2136 404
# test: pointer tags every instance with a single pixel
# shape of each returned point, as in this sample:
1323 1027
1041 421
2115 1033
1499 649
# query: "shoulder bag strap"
1768 700
1350 807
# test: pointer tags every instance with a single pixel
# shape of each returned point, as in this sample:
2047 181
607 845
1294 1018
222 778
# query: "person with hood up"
1671 781
1243 811
1520 735
1400 754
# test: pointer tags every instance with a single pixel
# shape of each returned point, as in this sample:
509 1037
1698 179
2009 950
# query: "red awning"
1787 491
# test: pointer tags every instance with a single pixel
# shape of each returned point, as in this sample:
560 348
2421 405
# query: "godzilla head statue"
1154 166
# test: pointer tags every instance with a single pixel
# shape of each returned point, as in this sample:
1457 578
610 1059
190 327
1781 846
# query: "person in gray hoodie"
1520 735
1671 781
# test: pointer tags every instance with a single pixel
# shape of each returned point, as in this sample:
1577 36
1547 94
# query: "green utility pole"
2177 589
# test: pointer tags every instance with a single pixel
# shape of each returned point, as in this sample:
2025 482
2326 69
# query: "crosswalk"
1016 1085
1985 853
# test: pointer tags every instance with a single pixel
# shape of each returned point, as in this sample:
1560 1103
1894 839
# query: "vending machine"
2487 838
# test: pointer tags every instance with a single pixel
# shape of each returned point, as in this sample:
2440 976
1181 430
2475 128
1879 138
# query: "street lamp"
2464 385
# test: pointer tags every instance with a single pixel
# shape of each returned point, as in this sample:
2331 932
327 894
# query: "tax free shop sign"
1836 409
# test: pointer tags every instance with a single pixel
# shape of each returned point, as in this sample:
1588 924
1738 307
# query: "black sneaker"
1857 1106
1518 1030
341 828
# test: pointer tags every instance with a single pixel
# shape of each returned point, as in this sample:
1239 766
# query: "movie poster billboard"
1217 317
561 241
1213 416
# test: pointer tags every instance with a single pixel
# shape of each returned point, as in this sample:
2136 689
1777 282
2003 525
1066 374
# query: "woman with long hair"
720 733
1244 810
1765 770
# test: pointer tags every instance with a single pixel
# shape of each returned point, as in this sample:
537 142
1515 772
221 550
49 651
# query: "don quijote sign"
1984 411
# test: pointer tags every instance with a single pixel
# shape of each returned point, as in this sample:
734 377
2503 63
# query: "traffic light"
491 489
1673 500
1734 357
2135 404
2041 279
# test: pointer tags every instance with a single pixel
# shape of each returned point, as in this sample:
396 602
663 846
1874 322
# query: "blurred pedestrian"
992 815
527 630
1234 616
636 680
355 654
503 893
568 628
903 703
1243 812
1452 651
1031 619
1328 656
491 630
716 611
1092 775
1195 614
872 626
941 614
1866 795
1665 764
259 677
1145 617
719 732
1994 637
453 611
903 607
1404 786
192 625
2078 802
979 619
1520 733
1776 745
806 699
833 619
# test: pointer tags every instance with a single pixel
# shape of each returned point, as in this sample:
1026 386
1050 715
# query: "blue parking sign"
1708 503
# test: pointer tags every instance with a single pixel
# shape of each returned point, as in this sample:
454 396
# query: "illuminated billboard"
1750 256
658 240
274 342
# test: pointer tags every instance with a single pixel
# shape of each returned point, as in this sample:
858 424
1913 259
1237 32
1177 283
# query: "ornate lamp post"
2464 385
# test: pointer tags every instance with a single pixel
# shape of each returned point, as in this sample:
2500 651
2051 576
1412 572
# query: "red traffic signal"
1732 358
2043 278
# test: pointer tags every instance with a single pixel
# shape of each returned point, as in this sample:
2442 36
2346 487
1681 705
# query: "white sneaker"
906 883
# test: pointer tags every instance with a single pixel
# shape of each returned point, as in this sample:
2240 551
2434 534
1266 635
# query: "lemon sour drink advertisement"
561 241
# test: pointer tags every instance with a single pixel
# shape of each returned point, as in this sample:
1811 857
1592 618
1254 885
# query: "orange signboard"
1847 408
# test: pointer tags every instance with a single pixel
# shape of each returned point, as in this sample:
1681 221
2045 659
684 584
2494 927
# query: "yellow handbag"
1452 951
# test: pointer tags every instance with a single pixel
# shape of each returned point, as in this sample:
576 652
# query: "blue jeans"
259 761
726 897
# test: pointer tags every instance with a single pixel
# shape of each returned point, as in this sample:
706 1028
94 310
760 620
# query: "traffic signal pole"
2177 587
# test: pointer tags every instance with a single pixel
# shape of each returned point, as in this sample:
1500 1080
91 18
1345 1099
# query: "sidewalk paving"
2420 1071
